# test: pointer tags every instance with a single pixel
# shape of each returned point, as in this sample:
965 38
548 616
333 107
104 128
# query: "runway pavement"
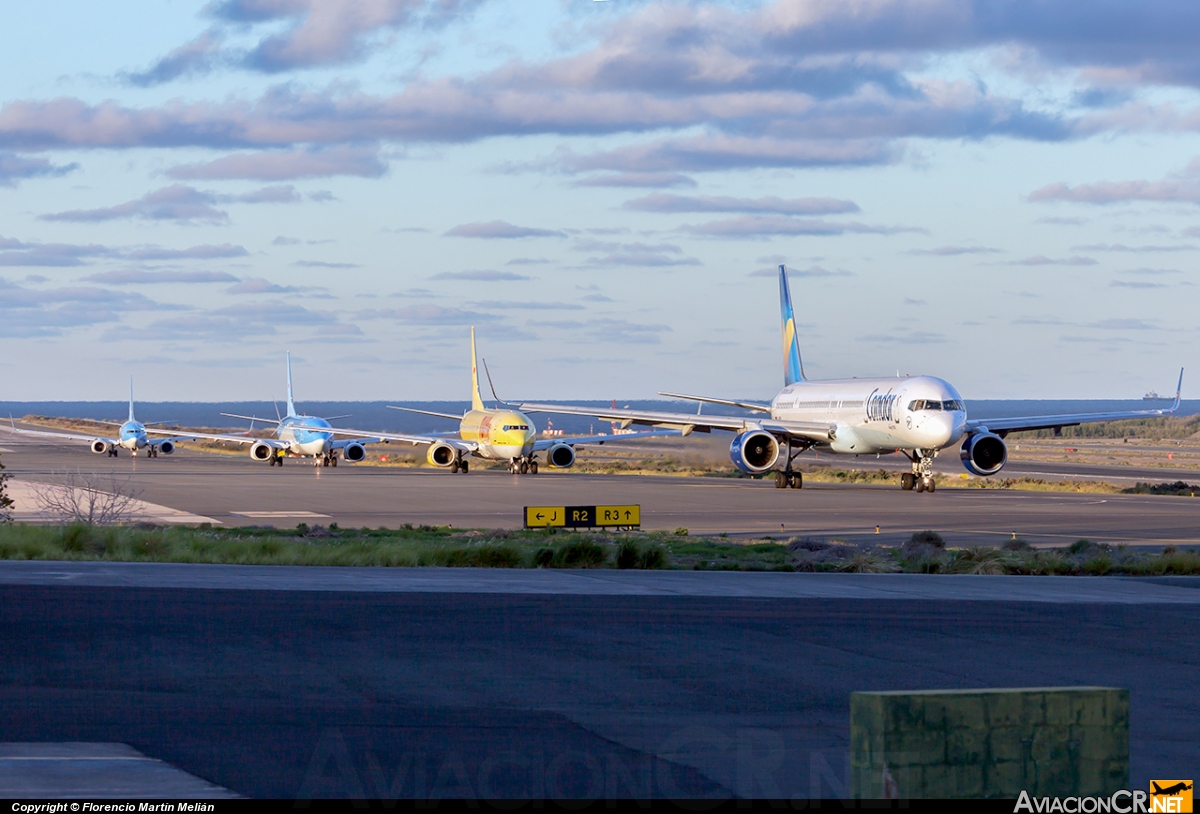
237 491
450 690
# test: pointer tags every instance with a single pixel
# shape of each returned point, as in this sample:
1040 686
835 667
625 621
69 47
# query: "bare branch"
93 499
6 502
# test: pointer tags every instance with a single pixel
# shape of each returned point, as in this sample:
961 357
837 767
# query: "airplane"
301 435
132 435
1170 791
503 434
916 416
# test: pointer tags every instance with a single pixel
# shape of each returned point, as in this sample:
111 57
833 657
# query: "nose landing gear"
527 465
920 479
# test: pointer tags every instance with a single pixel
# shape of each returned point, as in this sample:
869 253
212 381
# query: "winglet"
793 365
488 373
131 397
291 403
476 400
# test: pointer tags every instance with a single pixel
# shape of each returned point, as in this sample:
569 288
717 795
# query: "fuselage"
132 436
878 415
308 434
500 434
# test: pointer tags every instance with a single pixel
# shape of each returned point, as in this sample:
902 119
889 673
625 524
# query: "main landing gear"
112 452
325 460
277 458
523 466
789 478
920 479
460 465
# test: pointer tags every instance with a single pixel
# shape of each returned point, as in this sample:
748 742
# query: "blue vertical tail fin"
291 404
793 365
131 398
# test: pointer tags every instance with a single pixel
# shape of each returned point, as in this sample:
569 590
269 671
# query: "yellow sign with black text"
575 517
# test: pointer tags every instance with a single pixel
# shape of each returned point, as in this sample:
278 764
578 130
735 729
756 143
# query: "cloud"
768 225
636 179
954 251
14 168
143 277
177 202
1107 192
1121 247
500 230
195 328
1151 272
200 55
1042 260
667 203
635 254
611 331
903 337
206 252
527 261
525 305
1136 284
321 264
31 313
287 165
19 253
812 271
261 285
482 275
426 315
1124 325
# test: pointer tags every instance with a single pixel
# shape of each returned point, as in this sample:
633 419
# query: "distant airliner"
1171 790
503 434
302 435
132 435
917 416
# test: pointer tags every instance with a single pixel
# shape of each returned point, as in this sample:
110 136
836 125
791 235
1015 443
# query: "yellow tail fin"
476 401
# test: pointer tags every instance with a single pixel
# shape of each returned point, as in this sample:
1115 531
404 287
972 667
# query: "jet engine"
754 452
354 452
561 456
984 453
99 447
166 447
441 454
261 451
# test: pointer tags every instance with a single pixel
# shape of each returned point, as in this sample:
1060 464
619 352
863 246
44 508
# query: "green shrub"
580 554
653 557
628 555
1080 547
489 555
929 538
543 557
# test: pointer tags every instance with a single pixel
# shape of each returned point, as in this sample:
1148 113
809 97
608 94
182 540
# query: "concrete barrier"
1049 741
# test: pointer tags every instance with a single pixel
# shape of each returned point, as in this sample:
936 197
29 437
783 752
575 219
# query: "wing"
237 438
252 418
345 442
546 443
687 423
1048 422
747 405
69 436
426 412
415 440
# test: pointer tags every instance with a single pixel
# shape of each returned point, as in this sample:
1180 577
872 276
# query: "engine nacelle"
354 452
166 447
561 456
754 452
99 447
984 453
441 454
261 451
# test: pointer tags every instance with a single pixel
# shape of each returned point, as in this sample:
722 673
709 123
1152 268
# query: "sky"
1003 194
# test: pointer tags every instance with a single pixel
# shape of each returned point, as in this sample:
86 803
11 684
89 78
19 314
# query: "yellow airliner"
502 434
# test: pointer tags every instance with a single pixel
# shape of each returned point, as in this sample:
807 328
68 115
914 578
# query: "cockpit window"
514 427
929 404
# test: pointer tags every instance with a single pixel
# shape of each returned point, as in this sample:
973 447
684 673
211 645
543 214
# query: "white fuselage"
878 415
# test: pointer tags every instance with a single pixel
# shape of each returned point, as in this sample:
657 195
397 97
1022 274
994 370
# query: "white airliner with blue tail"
301 435
916 416
132 435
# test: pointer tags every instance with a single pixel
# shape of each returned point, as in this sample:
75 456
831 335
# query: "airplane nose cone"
941 431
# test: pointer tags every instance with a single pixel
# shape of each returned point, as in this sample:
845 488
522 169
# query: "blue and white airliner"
301 435
916 416
132 435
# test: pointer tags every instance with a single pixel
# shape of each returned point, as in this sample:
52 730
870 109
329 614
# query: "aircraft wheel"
533 467
454 467
466 467
930 486
272 460
907 481
920 487
797 481
333 461
781 480
523 467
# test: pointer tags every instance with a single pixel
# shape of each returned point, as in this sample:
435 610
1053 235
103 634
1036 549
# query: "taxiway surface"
237 491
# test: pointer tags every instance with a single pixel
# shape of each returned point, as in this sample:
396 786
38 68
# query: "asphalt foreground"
292 682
